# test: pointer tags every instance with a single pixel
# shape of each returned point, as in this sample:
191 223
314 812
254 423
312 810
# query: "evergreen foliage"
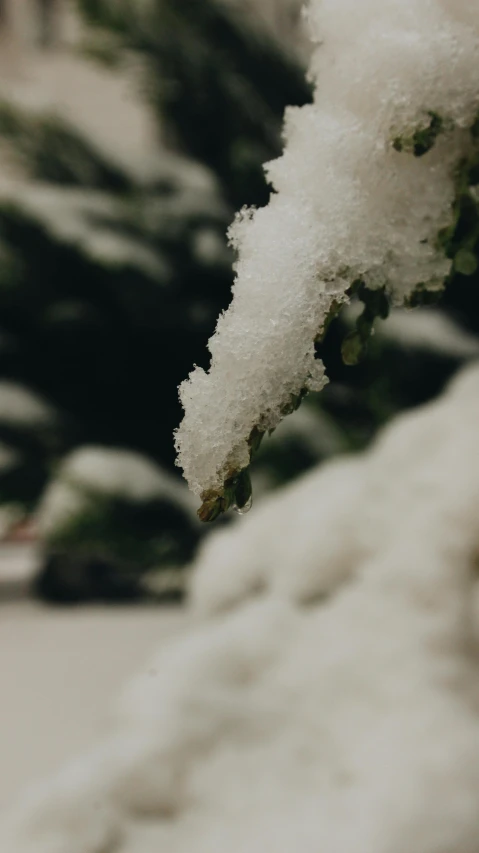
110 281
110 284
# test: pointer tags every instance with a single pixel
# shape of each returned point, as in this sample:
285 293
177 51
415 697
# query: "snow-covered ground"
324 696
60 669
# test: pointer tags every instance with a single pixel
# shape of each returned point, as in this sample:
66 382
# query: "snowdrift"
326 696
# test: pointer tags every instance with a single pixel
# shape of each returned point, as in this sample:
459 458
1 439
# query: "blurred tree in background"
111 280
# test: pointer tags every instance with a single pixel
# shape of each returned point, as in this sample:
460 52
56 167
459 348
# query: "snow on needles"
91 471
325 697
347 205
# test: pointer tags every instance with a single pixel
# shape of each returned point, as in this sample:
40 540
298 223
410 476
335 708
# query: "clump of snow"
21 407
103 105
333 703
92 470
429 329
83 218
314 428
421 328
209 248
347 205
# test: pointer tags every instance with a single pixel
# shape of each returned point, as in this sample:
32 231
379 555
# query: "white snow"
314 428
106 471
209 248
103 105
429 330
347 205
88 219
327 698
421 328
59 669
75 215
21 407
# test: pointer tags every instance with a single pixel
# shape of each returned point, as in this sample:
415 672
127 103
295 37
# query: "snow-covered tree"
375 195
108 519
113 264
113 257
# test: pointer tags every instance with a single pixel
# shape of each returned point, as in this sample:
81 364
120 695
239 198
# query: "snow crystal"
347 206
325 697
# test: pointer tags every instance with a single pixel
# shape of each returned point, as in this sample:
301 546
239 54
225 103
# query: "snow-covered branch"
368 194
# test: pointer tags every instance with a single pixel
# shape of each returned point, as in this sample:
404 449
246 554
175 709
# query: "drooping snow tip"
367 192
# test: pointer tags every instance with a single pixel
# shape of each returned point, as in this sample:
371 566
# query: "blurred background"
130 133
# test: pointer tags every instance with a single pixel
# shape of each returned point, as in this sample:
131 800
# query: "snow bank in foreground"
327 697
395 78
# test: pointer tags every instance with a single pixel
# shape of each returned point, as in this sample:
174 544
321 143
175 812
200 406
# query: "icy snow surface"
347 205
326 697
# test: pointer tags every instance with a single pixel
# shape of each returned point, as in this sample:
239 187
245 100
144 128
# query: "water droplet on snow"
242 510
